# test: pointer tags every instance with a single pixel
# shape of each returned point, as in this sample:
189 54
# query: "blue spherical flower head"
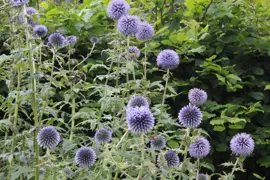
94 39
202 177
40 31
171 158
168 59
140 120
71 40
190 116
85 157
117 8
57 40
48 137
133 53
145 31
128 25
200 148
18 2
32 16
158 142
138 101
197 96
242 144
103 136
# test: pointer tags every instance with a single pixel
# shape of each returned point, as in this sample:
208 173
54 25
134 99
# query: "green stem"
234 166
198 167
145 60
123 137
53 59
142 159
185 151
88 55
127 78
116 175
166 84
73 110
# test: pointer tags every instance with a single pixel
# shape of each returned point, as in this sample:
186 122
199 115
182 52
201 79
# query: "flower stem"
142 159
166 84
123 137
235 165
145 60
53 59
73 111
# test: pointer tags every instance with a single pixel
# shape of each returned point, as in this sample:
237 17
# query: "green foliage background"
224 48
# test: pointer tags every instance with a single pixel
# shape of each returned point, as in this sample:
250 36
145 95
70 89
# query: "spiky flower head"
242 144
128 25
71 40
140 120
197 96
133 53
138 101
200 148
190 116
68 171
48 137
145 31
117 8
103 135
171 158
85 157
40 31
158 142
18 2
168 59
202 177
94 39
57 40
31 15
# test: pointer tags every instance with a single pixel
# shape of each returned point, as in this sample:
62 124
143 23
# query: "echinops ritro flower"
117 8
200 148
31 15
202 177
18 2
103 135
128 25
145 31
168 59
242 144
85 157
190 116
48 137
133 53
57 40
158 142
140 120
171 158
137 101
71 40
197 96
40 31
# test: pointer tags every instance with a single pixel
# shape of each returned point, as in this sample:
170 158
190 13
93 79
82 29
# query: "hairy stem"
73 111
123 137
166 84
235 165
142 159
145 60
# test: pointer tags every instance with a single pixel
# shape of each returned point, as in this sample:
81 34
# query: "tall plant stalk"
145 61
73 111
235 165
142 159
166 86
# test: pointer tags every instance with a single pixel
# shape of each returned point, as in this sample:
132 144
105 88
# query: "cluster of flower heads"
31 15
18 2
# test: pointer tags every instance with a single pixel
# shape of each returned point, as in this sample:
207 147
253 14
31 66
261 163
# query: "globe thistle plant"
140 120
57 40
200 148
202 177
158 142
133 53
138 101
197 96
171 159
103 136
94 39
128 25
145 31
32 16
168 59
40 31
71 40
190 116
68 171
117 8
48 137
18 2
242 144
85 157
